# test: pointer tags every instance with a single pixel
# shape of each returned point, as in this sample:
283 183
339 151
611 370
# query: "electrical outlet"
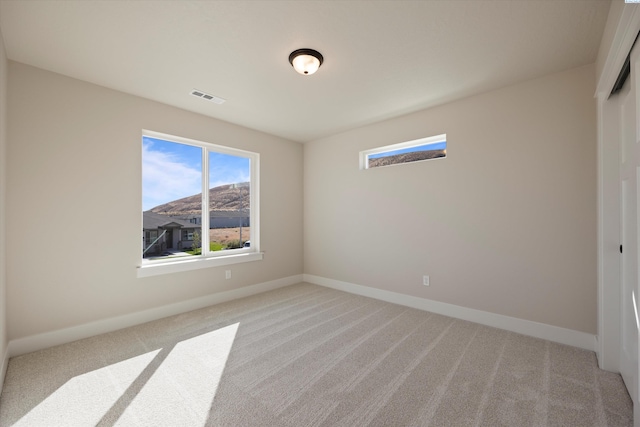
425 280
227 274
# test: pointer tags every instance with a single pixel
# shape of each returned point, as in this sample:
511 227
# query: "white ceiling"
382 58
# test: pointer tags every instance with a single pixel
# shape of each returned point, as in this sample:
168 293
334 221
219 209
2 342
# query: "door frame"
624 21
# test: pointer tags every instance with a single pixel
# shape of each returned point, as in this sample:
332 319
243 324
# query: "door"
169 237
629 199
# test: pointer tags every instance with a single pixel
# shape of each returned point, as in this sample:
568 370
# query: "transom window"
199 200
434 147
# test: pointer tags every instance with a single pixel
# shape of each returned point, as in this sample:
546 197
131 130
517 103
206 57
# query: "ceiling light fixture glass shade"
306 61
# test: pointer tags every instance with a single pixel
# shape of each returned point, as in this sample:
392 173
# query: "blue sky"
428 147
171 171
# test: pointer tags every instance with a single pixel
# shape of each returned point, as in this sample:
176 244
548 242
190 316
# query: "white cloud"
166 178
230 178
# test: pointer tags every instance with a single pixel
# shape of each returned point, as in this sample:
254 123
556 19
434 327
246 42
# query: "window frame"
209 258
365 154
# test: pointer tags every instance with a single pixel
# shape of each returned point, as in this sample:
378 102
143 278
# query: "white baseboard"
3 368
525 327
513 324
62 336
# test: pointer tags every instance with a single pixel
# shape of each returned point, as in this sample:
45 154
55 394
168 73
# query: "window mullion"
254 203
205 202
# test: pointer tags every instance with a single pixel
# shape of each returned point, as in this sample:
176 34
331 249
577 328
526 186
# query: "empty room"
319 213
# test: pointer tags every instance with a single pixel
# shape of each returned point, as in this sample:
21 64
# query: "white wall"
74 203
505 224
3 186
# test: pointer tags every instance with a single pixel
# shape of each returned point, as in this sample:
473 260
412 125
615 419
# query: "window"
150 238
199 203
434 147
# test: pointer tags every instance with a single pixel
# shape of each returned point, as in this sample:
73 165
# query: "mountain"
406 158
230 197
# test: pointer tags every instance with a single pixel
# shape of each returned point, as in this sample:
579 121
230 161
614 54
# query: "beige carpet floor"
311 356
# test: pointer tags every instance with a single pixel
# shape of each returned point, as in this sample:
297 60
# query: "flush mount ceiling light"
306 61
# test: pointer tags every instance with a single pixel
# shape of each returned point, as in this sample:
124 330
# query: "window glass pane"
406 155
171 199
229 201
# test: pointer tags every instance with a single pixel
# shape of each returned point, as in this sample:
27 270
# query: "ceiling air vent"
203 95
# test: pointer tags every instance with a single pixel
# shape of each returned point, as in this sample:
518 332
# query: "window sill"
148 270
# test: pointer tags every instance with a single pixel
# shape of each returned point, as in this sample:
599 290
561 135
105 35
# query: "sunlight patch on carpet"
84 399
181 390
